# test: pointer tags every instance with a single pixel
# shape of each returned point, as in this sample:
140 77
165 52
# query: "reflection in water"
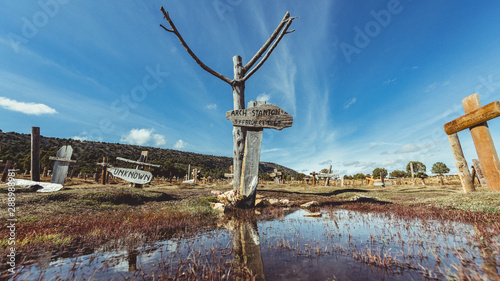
338 245
246 245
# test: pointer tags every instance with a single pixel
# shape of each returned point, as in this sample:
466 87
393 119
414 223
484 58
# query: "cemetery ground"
86 216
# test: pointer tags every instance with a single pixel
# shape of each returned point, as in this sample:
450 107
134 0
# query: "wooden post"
96 175
104 170
35 153
479 172
239 133
327 179
143 159
488 157
313 174
6 170
463 169
412 173
382 179
251 158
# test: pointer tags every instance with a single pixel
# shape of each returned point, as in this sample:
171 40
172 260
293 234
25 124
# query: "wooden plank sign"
262 116
132 175
63 158
473 118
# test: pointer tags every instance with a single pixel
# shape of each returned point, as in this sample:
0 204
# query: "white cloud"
212 106
180 144
350 102
86 137
26 108
142 137
263 97
390 81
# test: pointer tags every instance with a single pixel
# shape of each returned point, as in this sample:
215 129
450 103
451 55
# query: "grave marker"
313 174
136 176
6 170
276 175
475 119
35 153
245 152
479 172
63 159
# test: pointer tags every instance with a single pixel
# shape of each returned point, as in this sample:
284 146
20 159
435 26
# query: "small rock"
218 206
309 204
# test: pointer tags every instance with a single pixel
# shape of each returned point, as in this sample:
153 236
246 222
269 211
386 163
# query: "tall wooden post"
463 169
104 170
488 157
239 133
35 153
6 170
412 174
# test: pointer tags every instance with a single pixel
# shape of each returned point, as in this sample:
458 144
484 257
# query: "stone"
309 204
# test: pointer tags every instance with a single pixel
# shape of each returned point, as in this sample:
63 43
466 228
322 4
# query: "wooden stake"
463 169
35 153
6 170
486 152
104 170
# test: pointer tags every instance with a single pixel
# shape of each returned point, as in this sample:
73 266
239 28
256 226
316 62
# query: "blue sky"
369 83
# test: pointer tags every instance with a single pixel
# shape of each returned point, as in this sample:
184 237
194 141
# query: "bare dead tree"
241 74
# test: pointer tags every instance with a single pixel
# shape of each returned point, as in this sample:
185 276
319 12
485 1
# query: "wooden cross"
63 159
370 179
104 165
6 170
137 176
313 174
475 119
276 175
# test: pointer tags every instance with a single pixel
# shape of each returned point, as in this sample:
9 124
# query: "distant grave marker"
475 119
313 174
136 176
63 159
276 175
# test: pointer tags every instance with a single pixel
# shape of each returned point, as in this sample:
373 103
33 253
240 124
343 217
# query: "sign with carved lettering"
263 116
132 175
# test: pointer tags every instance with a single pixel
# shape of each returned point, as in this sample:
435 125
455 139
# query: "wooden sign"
63 159
262 116
132 175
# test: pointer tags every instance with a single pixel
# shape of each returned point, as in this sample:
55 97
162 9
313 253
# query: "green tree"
440 168
359 176
376 173
324 171
300 176
418 167
397 174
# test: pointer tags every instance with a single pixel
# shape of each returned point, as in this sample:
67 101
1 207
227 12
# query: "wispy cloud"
26 108
212 106
180 144
390 81
350 102
264 97
142 137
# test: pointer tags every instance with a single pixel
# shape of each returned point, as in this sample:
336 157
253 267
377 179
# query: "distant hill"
17 147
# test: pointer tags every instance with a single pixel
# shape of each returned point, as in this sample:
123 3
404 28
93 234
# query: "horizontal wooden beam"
62 159
138 163
473 118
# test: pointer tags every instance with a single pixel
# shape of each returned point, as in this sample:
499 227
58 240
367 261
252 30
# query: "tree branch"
184 44
288 22
268 43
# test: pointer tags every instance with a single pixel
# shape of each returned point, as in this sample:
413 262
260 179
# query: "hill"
17 147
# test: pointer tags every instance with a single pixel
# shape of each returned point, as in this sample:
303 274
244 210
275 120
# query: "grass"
89 215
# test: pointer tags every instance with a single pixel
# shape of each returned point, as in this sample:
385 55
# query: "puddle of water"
339 245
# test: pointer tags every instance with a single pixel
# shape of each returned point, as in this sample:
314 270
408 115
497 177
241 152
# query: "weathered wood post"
479 172
6 170
35 153
327 180
241 74
412 174
475 119
313 174
104 170
463 169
